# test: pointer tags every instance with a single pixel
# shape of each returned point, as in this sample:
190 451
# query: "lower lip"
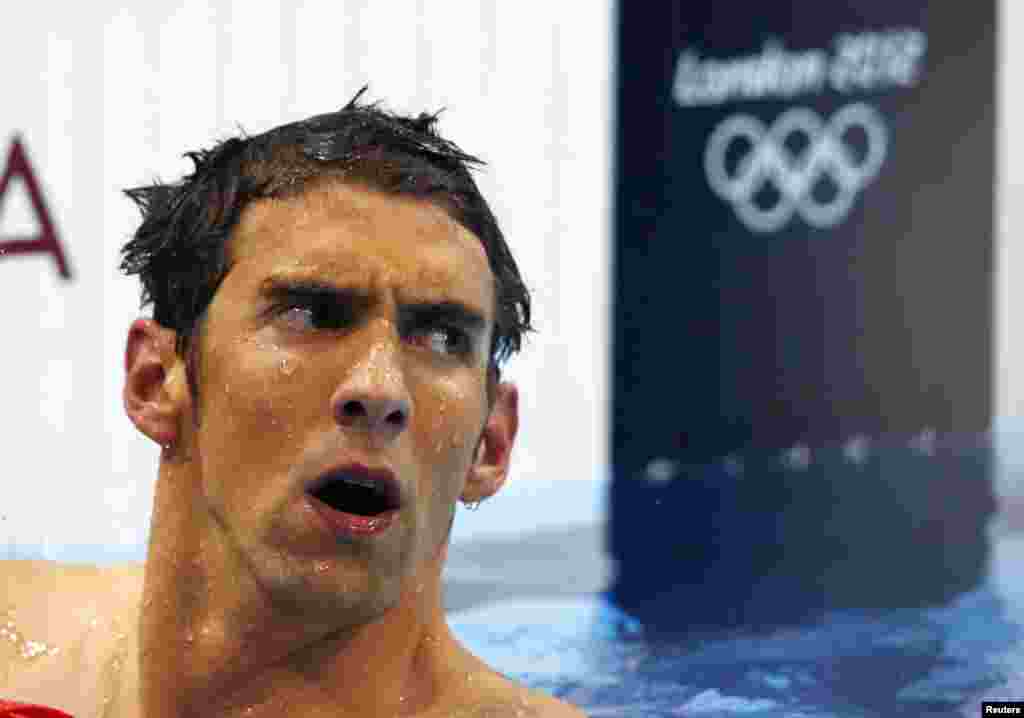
352 525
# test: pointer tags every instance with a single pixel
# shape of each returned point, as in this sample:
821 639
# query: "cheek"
450 417
251 388
445 428
251 402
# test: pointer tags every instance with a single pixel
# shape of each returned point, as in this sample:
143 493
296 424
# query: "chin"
329 588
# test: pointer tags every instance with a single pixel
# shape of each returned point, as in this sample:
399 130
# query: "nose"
375 414
373 396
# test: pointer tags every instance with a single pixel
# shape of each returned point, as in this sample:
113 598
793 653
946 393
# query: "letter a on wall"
46 242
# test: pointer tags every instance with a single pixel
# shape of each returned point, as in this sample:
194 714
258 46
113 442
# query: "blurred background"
107 97
111 96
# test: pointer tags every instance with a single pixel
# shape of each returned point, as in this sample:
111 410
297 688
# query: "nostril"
386 414
354 408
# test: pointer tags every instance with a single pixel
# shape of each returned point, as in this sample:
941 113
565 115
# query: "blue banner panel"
803 310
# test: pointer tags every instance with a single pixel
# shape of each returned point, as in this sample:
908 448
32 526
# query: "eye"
306 314
449 340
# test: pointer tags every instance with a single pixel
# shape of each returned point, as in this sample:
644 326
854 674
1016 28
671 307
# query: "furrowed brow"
449 311
279 287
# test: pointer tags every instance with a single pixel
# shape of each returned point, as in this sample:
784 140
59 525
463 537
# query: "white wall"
1009 290
109 97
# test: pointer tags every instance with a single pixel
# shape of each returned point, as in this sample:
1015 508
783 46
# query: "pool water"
940 661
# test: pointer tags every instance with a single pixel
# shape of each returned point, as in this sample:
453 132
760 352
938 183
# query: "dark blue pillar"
803 307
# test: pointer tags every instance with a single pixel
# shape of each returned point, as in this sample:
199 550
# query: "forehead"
351 234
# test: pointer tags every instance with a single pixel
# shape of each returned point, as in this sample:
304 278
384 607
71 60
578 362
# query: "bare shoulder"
44 601
537 706
531 703
497 696
48 598
550 707
56 622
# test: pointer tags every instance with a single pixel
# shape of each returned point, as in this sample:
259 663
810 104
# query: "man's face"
292 383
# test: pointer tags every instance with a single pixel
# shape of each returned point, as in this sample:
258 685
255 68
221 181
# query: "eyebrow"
447 310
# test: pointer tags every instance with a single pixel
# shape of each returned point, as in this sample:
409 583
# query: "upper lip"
381 475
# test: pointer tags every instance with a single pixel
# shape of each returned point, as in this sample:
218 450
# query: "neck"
213 644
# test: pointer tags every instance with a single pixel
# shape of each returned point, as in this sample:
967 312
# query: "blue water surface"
910 662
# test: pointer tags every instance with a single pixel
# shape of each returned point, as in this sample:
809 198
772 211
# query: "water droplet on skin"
287 367
26 648
321 566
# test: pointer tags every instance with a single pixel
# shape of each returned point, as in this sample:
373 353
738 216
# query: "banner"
803 311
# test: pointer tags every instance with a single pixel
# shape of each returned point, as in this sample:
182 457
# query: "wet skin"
249 605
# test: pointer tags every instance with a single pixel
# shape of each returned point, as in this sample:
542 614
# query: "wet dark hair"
181 250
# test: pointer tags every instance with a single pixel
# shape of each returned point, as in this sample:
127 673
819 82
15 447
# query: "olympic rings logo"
828 153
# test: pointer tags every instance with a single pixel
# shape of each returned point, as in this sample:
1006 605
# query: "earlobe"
152 392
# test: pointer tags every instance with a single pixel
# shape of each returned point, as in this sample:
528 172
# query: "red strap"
24 710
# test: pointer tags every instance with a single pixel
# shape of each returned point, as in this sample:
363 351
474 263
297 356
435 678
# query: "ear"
155 388
494 452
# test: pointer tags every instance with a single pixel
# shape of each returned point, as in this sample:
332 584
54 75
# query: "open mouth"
356 494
